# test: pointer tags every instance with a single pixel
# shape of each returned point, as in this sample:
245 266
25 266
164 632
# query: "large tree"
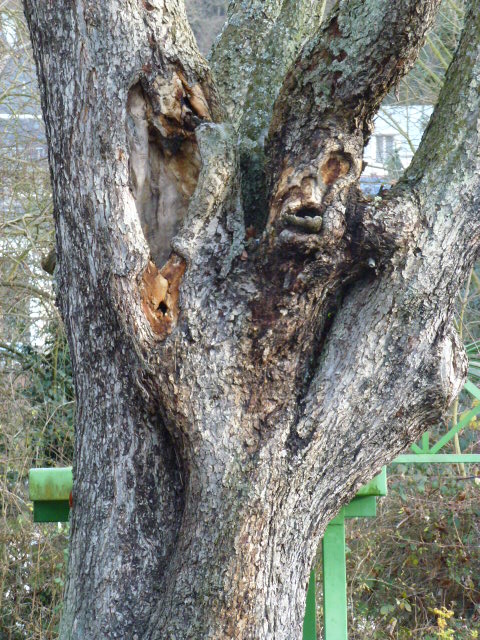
251 337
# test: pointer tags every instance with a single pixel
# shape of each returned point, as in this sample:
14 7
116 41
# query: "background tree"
206 18
326 259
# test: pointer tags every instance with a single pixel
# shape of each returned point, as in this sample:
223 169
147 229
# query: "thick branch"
323 115
248 61
446 168
257 46
402 348
443 180
322 235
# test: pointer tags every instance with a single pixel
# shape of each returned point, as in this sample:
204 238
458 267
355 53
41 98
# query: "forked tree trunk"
235 388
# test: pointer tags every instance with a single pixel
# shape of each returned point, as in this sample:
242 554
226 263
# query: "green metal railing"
364 505
334 565
51 493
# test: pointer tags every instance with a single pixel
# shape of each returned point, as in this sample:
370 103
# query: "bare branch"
249 61
35 291
322 117
446 168
398 326
257 45
445 171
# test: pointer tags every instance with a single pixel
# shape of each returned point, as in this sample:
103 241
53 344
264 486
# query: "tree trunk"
235 388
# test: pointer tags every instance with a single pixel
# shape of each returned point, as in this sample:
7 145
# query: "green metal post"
425 442
310 620
334 566
335 580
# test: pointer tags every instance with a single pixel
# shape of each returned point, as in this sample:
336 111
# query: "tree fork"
234 389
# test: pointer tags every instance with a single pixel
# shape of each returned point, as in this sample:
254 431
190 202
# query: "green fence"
50 491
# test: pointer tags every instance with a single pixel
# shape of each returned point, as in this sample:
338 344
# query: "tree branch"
249 67
34 291
248 63
443 180
322 118
394 334
322 235
445 170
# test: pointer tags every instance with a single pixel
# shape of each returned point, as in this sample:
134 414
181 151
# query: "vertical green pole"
426 442
310 620
335 580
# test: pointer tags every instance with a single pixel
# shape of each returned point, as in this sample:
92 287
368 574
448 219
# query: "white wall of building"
398 129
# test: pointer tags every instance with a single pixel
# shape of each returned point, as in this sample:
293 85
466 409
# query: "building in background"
397 134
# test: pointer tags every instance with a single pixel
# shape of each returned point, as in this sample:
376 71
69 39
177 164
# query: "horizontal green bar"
51 511
364 507
50 484
434 458
377 486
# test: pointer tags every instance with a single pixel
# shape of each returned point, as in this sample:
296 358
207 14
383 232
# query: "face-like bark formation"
235 388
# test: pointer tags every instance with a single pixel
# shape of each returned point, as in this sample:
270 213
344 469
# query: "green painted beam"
339 518
434 458
310 620
472 389
468 417
425 442
50 483
51 510
49 489
415 448
377 486
361 507
334 582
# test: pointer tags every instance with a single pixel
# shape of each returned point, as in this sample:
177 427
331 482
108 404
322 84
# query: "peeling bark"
235 388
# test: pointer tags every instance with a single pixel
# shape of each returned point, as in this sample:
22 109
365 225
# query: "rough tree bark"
235 388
